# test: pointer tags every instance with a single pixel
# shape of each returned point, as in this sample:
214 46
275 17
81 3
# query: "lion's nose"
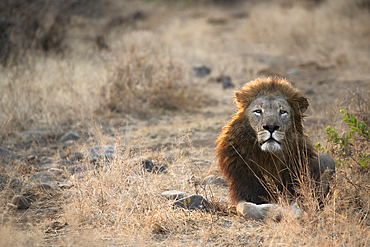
271 127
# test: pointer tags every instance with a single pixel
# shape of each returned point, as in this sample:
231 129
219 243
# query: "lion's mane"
250 170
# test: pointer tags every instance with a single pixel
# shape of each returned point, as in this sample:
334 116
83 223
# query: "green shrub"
351 145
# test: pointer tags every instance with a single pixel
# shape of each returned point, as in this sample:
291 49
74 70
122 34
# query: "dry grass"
142 83
140 93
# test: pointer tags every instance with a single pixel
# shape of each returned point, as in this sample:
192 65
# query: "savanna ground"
121 73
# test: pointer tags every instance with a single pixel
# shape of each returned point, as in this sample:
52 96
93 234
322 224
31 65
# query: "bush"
357 136
143 83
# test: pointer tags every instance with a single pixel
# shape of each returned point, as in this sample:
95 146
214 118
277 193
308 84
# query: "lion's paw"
258 212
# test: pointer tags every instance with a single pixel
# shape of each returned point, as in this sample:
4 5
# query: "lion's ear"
303 104
238 95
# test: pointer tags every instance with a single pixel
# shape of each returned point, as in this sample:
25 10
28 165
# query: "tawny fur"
249 170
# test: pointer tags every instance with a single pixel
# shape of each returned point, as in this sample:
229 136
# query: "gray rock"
43 176
45 160
70 136
173 194
21 202
102 154
43 188
215 180
194 202
76 156
65 186
6 155
149 165
63 162
201 71
36 133
56 171
225 81
293 72
49 165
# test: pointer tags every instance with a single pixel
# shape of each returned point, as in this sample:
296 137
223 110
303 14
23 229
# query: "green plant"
349 145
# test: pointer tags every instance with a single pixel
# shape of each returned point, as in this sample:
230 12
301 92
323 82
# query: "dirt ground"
86 75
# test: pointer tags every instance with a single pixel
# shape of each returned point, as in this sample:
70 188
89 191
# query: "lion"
264 147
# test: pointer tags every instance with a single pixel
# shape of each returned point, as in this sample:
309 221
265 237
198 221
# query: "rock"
43 176
65 186
225 81
6 155
240 15
148 165
70 136
293 72
215 180
65 163
217 21
102 153
43 188
173 194
37 133
50 165
309 92
45 160
21 202
76 168
76 156
201 71
194 202
56 171
139 15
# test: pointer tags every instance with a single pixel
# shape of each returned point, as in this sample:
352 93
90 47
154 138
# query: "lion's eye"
258 111
283 112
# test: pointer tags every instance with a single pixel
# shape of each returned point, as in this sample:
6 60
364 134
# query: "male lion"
264 145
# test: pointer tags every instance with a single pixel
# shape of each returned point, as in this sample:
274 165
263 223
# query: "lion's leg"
323 174
259 212
253 211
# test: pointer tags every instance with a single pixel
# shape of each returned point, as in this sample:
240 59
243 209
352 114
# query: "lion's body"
264 144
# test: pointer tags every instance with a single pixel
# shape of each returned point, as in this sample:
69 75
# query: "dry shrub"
122 201
145 82
48 93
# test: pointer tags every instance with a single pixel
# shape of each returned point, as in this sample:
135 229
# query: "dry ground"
124 77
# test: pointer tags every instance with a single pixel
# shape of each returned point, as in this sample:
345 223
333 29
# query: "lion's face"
270 117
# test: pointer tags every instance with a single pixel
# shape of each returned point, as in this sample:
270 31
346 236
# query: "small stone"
293 72
75 156
5 154
50 165
43 176
36 133
70 136
173 194
240 15
64 163
56 171
215 180
102 153
44 188
225 81
201 71
194 202
21 202
45 160
309 92
65 186
149 165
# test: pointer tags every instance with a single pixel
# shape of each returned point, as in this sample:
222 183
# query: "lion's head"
274 109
